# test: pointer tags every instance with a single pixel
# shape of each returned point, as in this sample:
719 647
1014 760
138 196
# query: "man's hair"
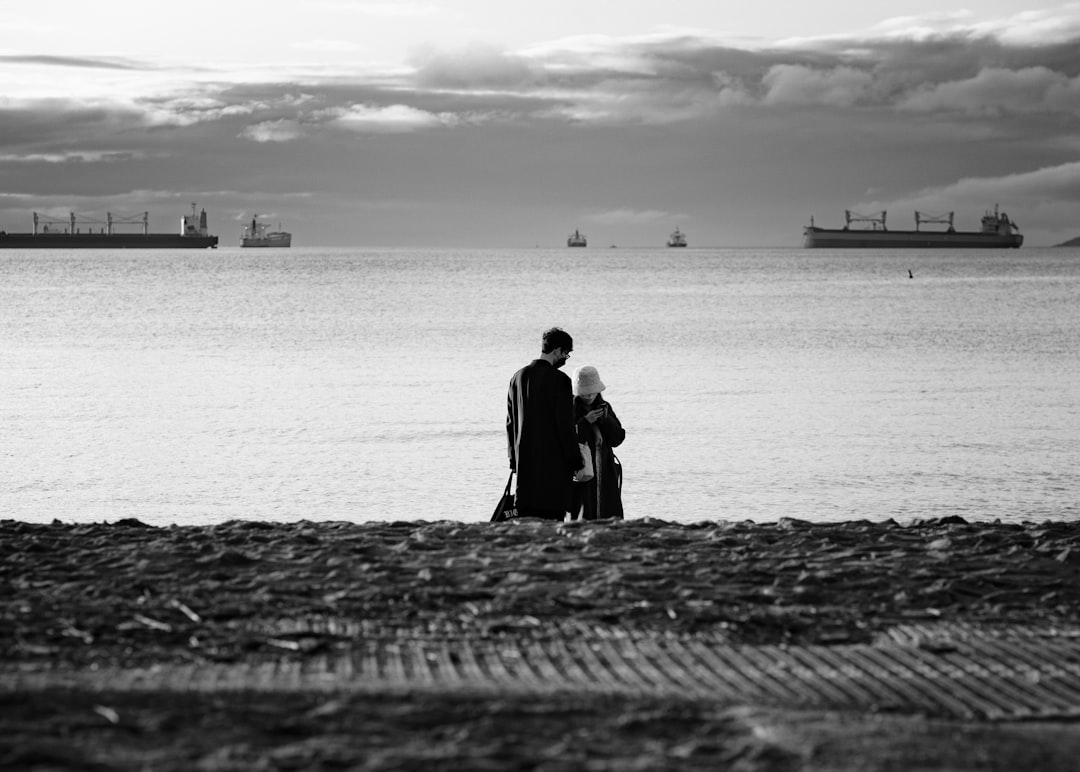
556 338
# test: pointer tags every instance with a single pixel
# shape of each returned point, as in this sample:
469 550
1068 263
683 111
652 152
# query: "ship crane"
71 224
133 219
922 217
81 219
877 220
44 221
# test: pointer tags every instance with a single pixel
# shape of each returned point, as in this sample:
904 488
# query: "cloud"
1061 181
186 109
593 79
75 156
51 127
1035 28
85 62
601 53
799 85
1028 191
910 65
273 131
995 90
942 64
476 67
641 101
390 119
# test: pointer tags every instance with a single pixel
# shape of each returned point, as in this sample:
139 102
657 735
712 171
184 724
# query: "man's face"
562 355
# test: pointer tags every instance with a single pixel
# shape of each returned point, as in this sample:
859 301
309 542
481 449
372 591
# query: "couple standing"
548 418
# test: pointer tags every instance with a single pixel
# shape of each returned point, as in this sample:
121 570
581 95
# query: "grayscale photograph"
595 385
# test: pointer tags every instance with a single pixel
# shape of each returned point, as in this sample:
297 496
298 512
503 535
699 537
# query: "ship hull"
826 238
273 240
105 241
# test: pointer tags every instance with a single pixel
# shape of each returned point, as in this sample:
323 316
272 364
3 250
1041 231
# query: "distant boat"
677 239
997 231
576 239
256 235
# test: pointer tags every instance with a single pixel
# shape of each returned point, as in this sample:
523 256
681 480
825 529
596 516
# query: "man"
541 440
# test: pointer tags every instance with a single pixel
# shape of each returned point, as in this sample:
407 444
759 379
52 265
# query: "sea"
369 384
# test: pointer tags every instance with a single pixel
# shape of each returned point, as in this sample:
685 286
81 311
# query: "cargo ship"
256 235
52 233
576 239
677 239
998 232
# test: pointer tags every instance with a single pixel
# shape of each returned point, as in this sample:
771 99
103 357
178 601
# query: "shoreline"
341 621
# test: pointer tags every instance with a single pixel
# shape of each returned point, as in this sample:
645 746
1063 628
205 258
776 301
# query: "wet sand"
96 600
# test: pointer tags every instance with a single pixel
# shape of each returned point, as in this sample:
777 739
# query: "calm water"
352 384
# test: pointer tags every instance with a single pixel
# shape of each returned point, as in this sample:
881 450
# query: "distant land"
1070 243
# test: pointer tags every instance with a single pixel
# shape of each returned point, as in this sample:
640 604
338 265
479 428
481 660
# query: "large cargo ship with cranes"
257 235
998 232
78 232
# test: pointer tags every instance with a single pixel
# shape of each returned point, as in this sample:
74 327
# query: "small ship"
576 239
677 239
998 231
256 235
54 233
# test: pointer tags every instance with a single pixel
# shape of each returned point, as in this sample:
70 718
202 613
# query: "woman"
599 428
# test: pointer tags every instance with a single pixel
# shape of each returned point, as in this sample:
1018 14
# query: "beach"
641 644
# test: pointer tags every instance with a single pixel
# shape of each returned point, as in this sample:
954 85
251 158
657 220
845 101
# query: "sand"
135 647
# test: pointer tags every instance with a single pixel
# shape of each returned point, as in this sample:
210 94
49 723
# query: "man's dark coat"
541 440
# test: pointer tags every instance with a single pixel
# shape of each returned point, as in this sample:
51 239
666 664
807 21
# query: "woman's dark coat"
609 473
540 436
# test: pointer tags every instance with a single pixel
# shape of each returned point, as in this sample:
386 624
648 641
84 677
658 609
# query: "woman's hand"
594 415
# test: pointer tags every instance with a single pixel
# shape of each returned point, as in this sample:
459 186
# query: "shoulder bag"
586 472
506 508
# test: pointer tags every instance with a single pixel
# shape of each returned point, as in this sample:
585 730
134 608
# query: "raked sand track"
634 645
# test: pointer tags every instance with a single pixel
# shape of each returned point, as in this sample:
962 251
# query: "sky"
468 123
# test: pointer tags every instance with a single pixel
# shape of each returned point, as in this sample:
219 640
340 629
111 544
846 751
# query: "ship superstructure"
677 238
78 232
257 235
997 232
